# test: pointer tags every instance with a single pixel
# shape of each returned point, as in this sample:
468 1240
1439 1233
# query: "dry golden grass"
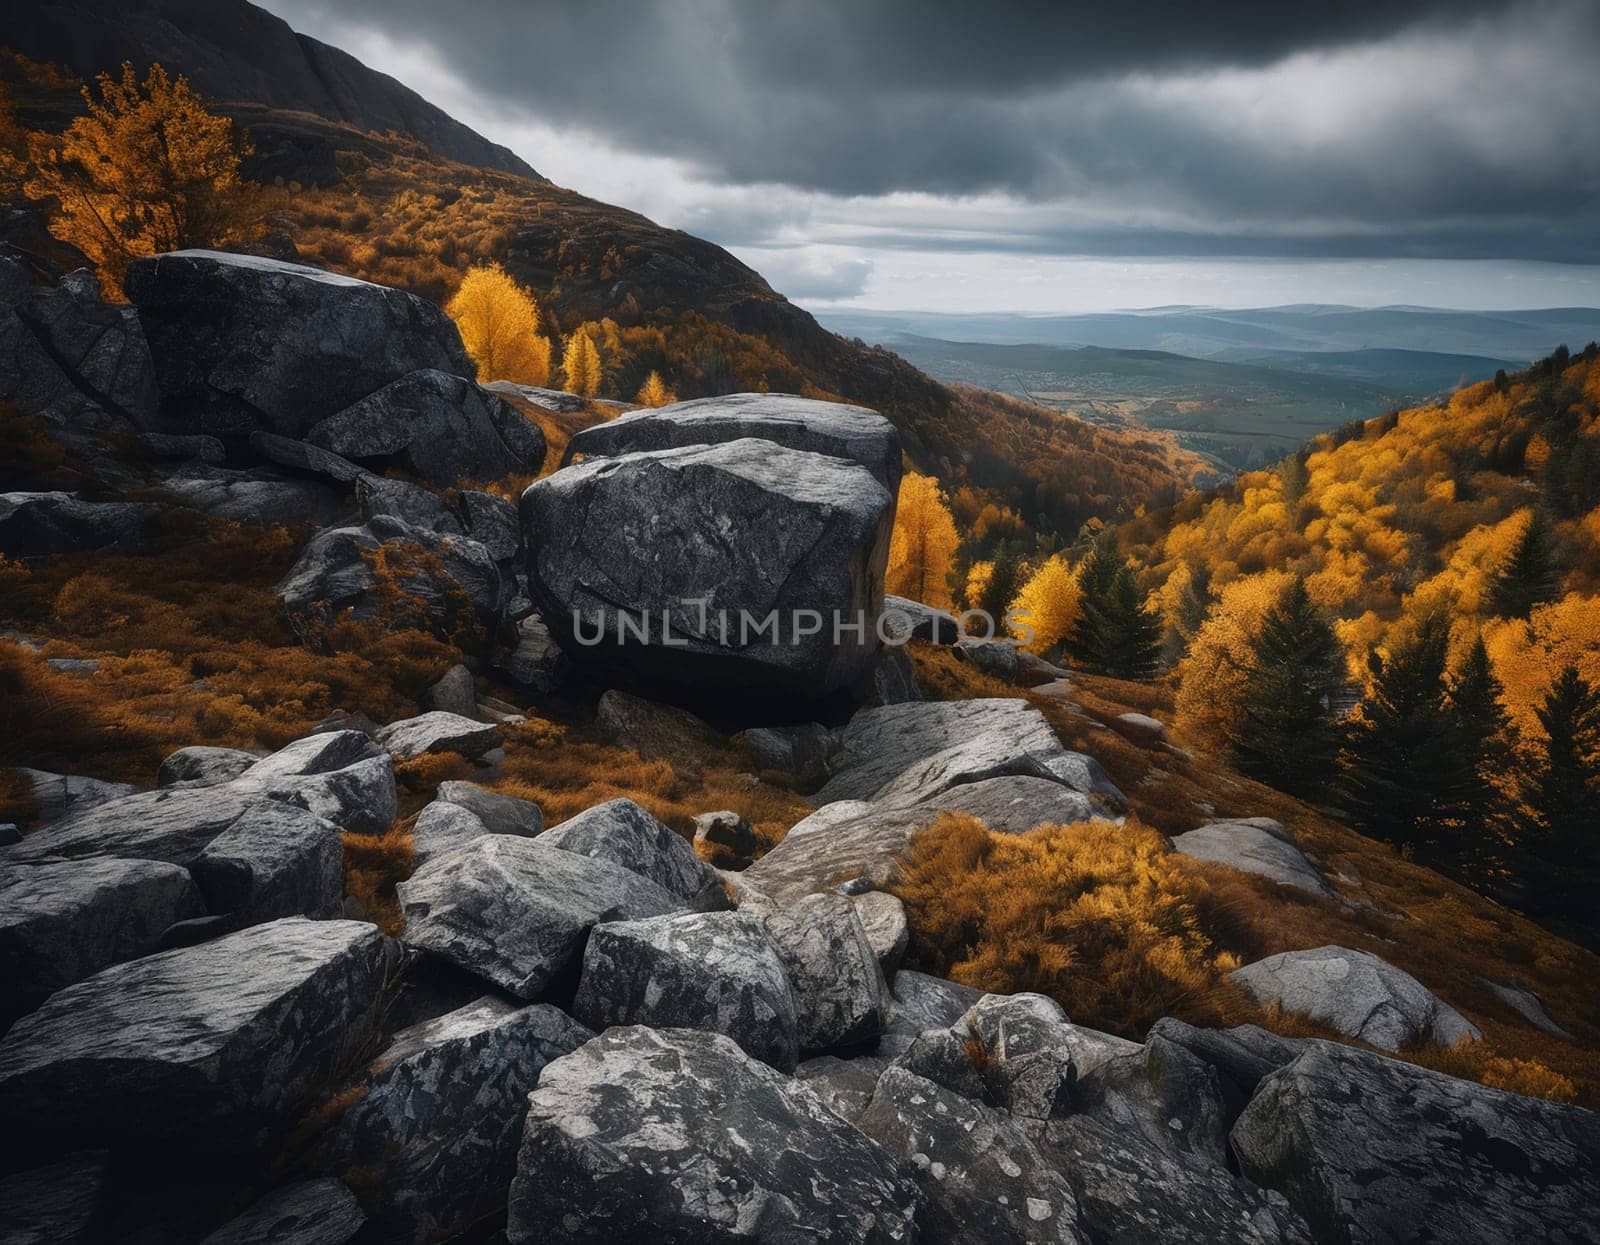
373 865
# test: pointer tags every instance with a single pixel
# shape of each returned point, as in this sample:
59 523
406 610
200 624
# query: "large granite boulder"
1257 845
627 834
61 920
1369 1149
202 766
500 813
717 971
411 503
436 1118
243 344
516 912
204 1046
841 998
338 775
829 428
253 857
437 426
630 1138
984 1177
36 525
1357 994
666 565
308 1212
438 731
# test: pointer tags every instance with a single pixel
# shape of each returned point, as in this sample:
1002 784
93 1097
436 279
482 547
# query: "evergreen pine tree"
1407 778
1529 576
1563 795
1285 733
1091 634
1133 638
1486 740
1002 587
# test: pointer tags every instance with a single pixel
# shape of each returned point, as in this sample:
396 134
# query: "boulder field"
583 1033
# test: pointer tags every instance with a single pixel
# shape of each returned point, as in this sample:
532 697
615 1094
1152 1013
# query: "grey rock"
985 1179
257 497
341 776
400 499
516 912
828 428
799 751
628 835
36 525
906 619
536 660
657 731
309 1212
201 766
492 522
919 1003
61 920
438 732
1242 1057
10 834
171 445
890 681
1254 850
83 667
442 827
790 1171
1165 1092
100 348
1369 1149
883 916
841 999
729 831
1141 728
844 1085
715 971
439 1114
453 693
298 456
252 857
1526 1004
206 1045
995 658
556 400
243 344
1357 994
63 795
436 425
743 526
55 1204
500 814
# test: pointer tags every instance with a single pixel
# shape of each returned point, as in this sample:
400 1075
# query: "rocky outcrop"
36 525
516 912
410 503
628 835
1369 1149
438 1115
1357 994
205 1046
715 971
255 497
436 425
308 1212
341 776
791 1170
841 998
1255 845
828 428
667 562
243 344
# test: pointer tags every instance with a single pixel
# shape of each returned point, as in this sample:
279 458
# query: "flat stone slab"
1253 849
438 732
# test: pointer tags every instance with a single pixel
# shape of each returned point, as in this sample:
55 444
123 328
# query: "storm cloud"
1467 130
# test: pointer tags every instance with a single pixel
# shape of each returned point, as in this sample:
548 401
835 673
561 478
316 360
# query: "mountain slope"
238 52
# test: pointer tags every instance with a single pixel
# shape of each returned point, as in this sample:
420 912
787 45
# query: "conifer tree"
1005 578
922 547
1134 649
580 365
1407 778
1529 576
1486 736
1564 791
654 392
1285 733
1089 638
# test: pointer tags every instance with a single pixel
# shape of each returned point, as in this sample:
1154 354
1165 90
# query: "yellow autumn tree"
580 365
1050 599
922 550
499 323
148 169
654 392
1212 675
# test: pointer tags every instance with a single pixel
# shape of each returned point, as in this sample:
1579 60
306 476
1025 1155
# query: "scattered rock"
1141 728
436 425
1253 849
907 619
1357 994
516 911
206 1045
728 833
656 731
438 732
453 693
298 456
243 344
1369 1149
918 1003
715 971
799 751
883 916
827 428
500 814
556 400
442 827
310 1212
536 660
492 522
792 1170
628 835
36 525
1527 1005
437 1132
844 1085
200 766
257 497
697 547
841 999
410 503
338 775
994 658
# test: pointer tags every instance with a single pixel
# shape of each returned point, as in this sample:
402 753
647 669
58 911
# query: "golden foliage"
1050 600
499 323
922 549
580 365
148 168
1212 676
654 392
373 865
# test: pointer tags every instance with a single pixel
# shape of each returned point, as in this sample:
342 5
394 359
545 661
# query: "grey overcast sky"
920 154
